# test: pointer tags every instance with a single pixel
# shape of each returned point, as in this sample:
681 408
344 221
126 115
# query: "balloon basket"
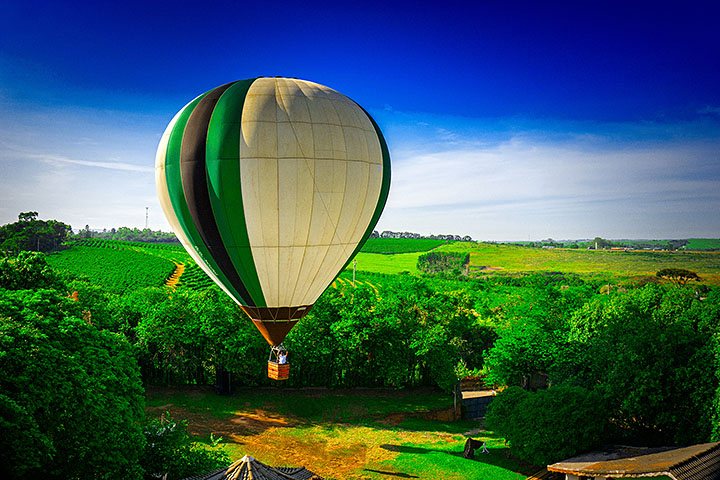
278 368
278 371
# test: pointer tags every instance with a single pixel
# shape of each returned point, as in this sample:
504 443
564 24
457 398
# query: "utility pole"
146 217
354 263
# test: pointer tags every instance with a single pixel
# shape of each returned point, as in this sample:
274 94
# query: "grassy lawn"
342 434
379 263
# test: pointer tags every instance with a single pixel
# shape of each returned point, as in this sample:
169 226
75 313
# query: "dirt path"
274 440
337 451
173 279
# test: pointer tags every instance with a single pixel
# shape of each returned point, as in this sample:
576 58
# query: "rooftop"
687 463
247 468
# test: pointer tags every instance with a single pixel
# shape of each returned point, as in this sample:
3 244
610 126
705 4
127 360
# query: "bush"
28 270
170 451
443 261
549 425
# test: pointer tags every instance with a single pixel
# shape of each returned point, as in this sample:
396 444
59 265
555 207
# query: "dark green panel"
173 178
224 184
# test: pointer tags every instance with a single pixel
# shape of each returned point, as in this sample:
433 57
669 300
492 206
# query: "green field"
703 244
493 259
400 245
105 260
117 270
336 434
391 264
586 262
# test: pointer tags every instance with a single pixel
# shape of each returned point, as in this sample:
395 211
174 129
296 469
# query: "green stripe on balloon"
173 178
223 176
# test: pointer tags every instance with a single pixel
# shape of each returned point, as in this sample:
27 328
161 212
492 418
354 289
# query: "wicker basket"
278 371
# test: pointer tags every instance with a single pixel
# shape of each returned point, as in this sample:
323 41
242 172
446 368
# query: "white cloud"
87 163
493 179
528 186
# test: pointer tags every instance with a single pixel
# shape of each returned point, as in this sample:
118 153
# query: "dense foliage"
71 403
70 393
407 334
649 355
29 233
679 276
443 262
130 235
549 425
27 271
171 453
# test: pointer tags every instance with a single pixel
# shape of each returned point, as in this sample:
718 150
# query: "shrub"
170 451
549 425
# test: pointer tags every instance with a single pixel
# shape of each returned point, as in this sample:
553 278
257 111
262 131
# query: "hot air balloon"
272 185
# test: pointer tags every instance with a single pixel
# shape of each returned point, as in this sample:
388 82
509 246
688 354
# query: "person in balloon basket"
282 358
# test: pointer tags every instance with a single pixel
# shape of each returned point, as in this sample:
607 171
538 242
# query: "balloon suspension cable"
278 354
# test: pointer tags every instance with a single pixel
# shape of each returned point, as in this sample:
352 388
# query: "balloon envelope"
272 185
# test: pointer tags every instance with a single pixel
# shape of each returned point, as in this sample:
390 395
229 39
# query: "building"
696 462
247 468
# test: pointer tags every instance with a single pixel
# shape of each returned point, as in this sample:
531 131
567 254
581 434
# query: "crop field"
115 269
492 259
194 277
485 259
368 435
118 244
391 246
703 244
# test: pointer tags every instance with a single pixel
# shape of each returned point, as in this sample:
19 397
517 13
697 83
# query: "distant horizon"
582 239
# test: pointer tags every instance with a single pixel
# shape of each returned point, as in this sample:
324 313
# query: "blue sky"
505 120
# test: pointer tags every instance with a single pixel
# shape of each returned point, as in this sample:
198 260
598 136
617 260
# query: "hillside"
113 263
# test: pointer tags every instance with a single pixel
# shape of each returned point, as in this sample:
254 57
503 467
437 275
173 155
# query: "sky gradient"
505 120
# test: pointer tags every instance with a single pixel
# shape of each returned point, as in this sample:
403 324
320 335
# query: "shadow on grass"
391 474
416 450
498 456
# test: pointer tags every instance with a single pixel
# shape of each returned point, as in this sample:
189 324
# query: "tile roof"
247 468
695 462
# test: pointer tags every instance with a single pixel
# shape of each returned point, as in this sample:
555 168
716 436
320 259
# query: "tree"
186 335
70 395
650 352
170 452
27 216
29 233
602 243
678 276
28 270
549 425
85 232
